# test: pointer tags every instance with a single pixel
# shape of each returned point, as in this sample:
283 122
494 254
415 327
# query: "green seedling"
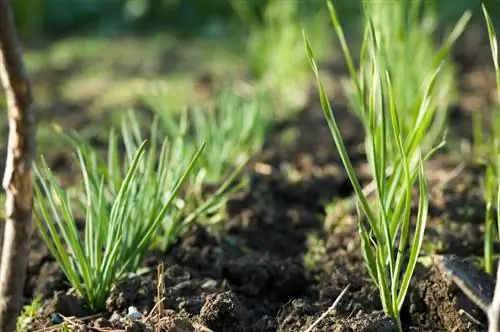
28 313
124 207
190 204
235 128
389 249
408 47
490 195
422 80
315 251
274 47
492 146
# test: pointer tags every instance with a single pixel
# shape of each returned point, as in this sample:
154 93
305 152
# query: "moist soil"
281 258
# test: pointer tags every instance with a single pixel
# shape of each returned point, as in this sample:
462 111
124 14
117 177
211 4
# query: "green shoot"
28 313
490 190
492 177
392 144
235 128
124 207
175 152
423 82
274 47
410 53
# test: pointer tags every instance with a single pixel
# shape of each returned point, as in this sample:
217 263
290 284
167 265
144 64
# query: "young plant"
389 251
461 274
490 196
417 69
409 51
274 46
124 208
492 177
28 313
408 44
235 128
175 150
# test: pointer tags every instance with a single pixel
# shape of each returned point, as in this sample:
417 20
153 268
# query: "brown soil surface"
276 265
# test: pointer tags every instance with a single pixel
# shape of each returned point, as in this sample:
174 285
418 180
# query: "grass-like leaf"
492 150
274 50
122 215
396 126
235 128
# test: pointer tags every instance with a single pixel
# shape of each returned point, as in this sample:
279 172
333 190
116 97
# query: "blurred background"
63 18
89 60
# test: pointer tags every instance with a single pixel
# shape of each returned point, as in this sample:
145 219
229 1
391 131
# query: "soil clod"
222 312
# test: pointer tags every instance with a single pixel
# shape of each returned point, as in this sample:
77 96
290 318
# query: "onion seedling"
274 49
463 276
407 50
124 208
492 176
176 150
490 196
389 249
235 128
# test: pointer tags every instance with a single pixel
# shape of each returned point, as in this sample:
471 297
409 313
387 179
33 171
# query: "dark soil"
276 265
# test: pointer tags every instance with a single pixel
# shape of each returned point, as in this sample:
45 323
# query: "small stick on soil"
156 306
160 289
18 177
74 322
160 277
328 311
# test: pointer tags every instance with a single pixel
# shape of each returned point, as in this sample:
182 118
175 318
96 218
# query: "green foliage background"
56 17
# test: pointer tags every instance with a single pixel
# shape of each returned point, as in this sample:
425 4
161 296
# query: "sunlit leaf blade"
330 118
423 210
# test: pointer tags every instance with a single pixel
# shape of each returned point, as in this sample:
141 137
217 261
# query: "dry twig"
328 311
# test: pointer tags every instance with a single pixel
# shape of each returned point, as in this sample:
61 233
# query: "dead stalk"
17 182
328 311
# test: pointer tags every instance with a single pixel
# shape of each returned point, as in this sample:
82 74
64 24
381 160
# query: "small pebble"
133 313
57 319
210 284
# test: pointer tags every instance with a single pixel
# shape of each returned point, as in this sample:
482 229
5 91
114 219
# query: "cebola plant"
235 128
410 51
395 153
492 176
274 49
175 151
489 305
124 204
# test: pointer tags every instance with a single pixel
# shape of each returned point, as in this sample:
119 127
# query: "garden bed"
276 264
